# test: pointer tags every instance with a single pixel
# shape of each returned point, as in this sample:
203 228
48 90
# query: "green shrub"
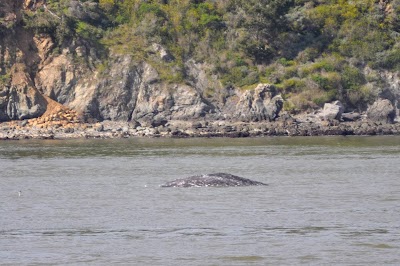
40 22
328 64
324 97
107 5
390 60
5 79
150 8
363 39
259 52
290 72
289 106
360 97
88 31
308 54
240 76
327 81
293 85
285 62
352 78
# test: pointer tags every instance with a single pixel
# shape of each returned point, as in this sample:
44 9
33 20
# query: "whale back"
213 180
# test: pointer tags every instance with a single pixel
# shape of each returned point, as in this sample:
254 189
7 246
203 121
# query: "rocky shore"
60 122
41 129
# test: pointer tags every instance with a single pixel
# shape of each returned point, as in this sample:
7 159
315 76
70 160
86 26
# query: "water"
330 200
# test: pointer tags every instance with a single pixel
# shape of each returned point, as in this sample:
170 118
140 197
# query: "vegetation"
4 79
313 50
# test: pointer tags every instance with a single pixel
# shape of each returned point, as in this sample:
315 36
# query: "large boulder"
351 117
259 104
19 99
332 111
392 90
382 110
22 103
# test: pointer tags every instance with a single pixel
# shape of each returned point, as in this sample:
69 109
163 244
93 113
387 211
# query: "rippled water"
330 200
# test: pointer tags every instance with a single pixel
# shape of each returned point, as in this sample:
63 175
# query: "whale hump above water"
213 180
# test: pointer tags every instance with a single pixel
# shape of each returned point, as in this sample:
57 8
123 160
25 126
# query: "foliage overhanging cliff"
311 51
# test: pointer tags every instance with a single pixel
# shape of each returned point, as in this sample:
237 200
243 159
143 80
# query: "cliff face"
19 98
34 71
131 90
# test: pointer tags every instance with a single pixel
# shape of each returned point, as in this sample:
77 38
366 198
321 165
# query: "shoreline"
20 130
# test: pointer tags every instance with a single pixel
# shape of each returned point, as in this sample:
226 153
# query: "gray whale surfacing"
213 180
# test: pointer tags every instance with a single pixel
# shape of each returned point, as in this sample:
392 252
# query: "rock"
57 78
20 100
197 125
332 111
159 121
392 90
351 117
69 130
199 77
382 110
162 52
99 127
274 107
134 124
179 134
259 104
87 10
29 4
133 91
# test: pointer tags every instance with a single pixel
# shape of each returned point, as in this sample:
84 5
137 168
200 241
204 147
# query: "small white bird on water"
19 193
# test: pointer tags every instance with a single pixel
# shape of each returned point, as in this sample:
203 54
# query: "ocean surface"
330 201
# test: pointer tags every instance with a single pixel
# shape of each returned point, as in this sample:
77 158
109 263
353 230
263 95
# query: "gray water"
330 200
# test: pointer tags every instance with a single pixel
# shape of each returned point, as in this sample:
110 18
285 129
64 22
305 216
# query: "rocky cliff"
34 72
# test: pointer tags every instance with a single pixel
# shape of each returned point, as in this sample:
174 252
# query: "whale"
213 180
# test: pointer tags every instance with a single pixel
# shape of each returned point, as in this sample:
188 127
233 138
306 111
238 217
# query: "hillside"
166 60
